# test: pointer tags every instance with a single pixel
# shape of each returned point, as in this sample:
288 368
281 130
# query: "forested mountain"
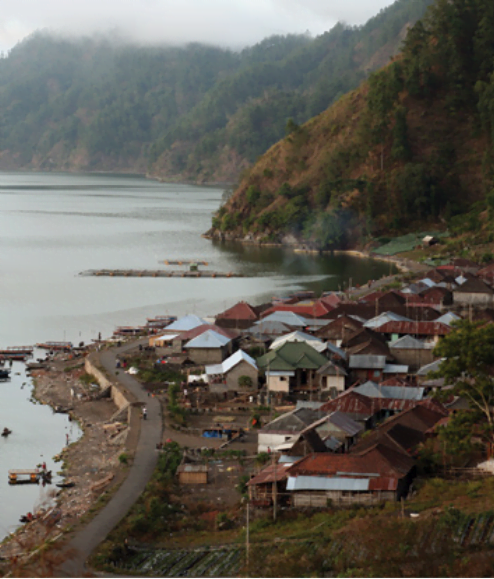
411 147
195 112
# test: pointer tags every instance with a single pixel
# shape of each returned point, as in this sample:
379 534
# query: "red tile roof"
314 309
378 460
240 311
351 403
414 328
204 328
271 473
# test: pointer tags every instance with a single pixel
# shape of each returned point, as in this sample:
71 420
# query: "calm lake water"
54 226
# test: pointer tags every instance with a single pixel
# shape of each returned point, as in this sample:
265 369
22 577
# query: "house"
184 324
332 379
208 348
285 427
383 318
268 484
193 474
181 339
376 474
336 331
225 377
339 426
285 317
373 390
415 353
291 369
299 336
430 331
362 409
305 308
448 318
240 316
406 430
474 292
423 375
367 367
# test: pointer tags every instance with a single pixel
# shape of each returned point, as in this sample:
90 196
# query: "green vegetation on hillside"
411 147
196 112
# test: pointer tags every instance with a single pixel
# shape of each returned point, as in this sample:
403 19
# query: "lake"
54 226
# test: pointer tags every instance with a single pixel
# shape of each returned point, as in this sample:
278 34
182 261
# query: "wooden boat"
16 350
56 346
24 476
129 330
66 485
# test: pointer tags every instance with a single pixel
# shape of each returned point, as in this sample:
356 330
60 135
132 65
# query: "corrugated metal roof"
273 472
288 318
383 318
321 483
367 362
192 468
432 367
286 459
186 323
296 336
395 369
410 343
209 339
230 363
414 328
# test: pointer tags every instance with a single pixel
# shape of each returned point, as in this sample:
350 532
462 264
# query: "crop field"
469 531
222 562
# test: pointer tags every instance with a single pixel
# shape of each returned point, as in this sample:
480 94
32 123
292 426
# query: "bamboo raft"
157 273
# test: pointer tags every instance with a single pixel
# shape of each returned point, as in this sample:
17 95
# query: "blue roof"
186 323
209 339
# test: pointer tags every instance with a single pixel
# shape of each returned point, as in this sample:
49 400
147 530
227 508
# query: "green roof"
291 356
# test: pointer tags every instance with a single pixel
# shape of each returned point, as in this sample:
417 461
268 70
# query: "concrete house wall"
207 355
473 298
242 369
413 358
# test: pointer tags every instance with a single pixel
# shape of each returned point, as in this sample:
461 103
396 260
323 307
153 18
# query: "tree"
469 368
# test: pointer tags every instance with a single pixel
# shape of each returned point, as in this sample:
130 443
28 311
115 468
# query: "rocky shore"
91 465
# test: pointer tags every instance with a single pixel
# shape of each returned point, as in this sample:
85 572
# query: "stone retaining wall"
120 397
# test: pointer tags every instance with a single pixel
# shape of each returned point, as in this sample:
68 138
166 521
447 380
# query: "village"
335 390
305 403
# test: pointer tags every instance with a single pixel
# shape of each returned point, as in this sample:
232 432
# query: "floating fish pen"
183 262
56 346
157 273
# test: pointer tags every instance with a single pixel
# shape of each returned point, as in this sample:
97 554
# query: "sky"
234 23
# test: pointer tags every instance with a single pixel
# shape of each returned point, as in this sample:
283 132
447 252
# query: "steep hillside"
196 112
410 147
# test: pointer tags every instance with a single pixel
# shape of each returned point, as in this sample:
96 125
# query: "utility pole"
247 544
275 490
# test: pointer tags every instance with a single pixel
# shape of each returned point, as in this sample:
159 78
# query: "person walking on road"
144 413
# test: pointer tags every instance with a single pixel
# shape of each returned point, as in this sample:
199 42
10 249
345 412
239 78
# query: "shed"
192 474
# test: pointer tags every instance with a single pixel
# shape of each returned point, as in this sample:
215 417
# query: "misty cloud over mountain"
232 23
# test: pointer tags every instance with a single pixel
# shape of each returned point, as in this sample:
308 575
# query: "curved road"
145 459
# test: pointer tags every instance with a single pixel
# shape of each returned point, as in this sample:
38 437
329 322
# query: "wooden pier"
157 273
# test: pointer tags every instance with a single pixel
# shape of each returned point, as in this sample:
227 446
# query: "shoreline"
91 462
